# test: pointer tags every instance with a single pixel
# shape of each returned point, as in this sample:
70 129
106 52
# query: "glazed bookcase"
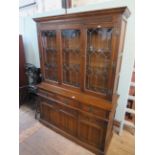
80 57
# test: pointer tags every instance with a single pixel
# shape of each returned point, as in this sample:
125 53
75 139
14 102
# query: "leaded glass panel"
98 59
71 57
50 54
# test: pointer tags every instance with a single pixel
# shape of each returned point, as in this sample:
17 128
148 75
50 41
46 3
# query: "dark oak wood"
22 75
81 57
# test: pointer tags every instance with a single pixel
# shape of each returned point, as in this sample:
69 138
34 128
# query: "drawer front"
75 104
67 101
71 103
46 93
94 110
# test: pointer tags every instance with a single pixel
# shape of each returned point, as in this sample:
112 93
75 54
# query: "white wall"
27 28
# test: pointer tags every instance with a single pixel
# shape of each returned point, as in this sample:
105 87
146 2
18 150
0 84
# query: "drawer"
87 108
99 122
48 102
68 101
94 110
47 94
71 112
100 112
92 121
59 107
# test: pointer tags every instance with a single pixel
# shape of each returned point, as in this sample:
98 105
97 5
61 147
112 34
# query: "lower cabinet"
87 129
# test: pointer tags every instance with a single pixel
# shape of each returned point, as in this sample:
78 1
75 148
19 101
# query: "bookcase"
80 58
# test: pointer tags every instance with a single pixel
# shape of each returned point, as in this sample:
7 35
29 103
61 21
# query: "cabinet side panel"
40 51
120 53
110 123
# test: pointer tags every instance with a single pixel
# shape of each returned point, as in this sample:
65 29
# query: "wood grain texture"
22 75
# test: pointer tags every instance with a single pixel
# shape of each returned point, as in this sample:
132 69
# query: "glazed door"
50 55
71 56
99 60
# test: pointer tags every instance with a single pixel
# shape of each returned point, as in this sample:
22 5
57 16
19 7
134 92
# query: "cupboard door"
49 112
50 54
68 120
98 59
71 56
63 117
92 131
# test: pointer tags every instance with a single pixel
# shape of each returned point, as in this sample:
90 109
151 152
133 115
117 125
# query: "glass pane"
71 57
49 45
98 59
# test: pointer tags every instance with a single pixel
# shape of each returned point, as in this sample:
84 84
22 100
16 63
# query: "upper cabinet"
83 51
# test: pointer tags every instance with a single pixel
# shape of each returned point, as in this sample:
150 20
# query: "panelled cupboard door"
71 55
50 113
99 58
92 131
50 55
60 116
68 120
